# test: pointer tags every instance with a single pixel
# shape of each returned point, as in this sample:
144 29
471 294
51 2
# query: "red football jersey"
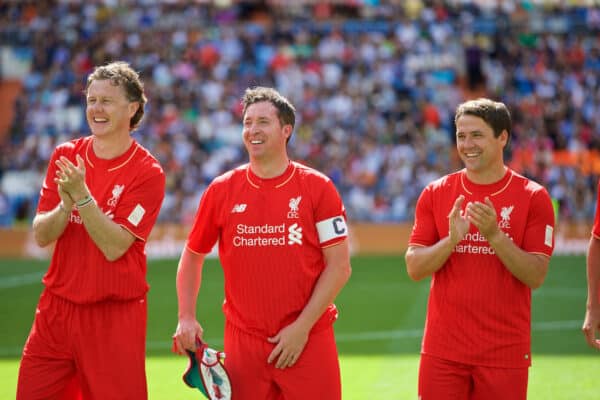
270 233
129 189
478 312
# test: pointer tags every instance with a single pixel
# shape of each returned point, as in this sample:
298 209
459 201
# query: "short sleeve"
423 232
49 197
205 229
140 206
539 232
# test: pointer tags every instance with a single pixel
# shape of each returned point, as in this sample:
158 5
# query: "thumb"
274 339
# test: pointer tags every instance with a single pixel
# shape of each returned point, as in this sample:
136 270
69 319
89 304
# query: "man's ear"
133 108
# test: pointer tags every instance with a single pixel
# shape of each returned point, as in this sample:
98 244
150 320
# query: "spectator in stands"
392 74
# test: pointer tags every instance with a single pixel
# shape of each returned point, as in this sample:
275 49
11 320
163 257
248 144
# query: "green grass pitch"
378 332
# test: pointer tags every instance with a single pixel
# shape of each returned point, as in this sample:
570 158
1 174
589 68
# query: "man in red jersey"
485 235
99 202
283 245
591 324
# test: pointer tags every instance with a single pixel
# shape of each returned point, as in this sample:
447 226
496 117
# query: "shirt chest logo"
116 193
238 208
505 215
294 205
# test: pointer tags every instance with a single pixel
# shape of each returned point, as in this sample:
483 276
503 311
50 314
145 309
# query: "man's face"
263 134
108 111
477 147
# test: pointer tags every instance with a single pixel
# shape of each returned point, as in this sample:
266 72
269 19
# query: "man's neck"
487 177
109 148
269 169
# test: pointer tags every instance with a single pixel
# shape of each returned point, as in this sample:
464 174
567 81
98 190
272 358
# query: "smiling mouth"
100 120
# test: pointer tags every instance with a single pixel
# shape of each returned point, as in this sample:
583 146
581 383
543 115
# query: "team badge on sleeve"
332 228
136 215
548 237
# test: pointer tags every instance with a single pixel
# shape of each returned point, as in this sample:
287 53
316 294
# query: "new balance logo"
238 208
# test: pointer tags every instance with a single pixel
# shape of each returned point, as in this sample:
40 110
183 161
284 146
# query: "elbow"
114 254
117 249
412 274
40 239
41 242
537 278
536 283
111 257
411 269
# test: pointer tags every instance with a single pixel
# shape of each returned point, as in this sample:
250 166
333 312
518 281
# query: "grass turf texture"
379 330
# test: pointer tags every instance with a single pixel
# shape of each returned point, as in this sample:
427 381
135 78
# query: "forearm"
188 281
528 268
112 240
593 274
422 262
47 227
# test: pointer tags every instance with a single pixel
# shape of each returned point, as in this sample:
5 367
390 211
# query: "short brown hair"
494 113
120 73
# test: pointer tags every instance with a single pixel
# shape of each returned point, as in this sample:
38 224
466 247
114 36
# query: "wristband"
85 201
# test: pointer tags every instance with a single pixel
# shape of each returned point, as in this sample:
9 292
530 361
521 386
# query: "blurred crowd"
375 85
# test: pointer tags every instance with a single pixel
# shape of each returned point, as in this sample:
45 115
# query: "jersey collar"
270 183
112 164
491 189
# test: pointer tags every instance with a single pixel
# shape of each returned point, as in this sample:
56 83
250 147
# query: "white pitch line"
543 326
10 282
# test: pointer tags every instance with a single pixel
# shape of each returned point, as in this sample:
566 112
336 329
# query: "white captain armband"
332 228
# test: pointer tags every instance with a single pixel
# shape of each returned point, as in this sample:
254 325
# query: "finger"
179 348
274 354
186 343
61 166
458 202
65 162
293 359
457 205
588 333
489 203
283 360
70 168
80 162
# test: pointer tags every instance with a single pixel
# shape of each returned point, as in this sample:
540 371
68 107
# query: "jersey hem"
488 365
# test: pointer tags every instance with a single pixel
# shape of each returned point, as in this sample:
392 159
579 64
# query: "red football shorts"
94 351
443 379
316 374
